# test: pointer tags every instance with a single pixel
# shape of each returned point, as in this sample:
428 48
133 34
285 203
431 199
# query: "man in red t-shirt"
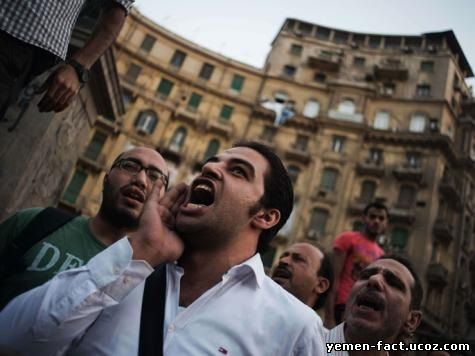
352 252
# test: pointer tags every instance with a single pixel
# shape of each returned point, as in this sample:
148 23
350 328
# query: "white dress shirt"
336 336
95 310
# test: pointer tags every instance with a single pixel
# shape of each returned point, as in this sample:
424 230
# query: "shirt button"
171 328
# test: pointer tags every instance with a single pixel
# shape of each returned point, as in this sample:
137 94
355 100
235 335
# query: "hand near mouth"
155 241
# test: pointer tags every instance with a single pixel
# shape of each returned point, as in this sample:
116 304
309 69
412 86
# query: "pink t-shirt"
360 252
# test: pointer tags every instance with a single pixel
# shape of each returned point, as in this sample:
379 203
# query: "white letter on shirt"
35 266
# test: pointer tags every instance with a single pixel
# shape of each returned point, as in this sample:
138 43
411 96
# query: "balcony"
187 116
325 61
402 214
297 154
326 195
220 127
451 188
443 231
407 172
437 275
95 164
391 70
343 116
173 153
357 206
110 126
371 168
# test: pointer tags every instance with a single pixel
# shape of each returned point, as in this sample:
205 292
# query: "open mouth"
371 301
134 194
281 272
202 193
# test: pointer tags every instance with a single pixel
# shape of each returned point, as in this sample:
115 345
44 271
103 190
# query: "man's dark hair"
417 292
326 271
278 191
376 205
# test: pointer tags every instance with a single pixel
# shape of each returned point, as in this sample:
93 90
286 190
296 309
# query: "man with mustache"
218 300
305 272
125 189
384 303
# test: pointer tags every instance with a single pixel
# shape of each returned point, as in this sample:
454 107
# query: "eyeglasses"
134 167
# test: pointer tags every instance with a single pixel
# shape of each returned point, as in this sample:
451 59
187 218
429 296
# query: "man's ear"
322 285
413 321
264 219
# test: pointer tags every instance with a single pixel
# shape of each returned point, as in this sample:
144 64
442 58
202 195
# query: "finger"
179 201
171 197
48 101
64 102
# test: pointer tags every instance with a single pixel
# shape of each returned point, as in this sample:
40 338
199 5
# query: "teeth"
193 205
204 187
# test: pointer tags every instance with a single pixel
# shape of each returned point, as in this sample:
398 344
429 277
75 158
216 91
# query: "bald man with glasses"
126 187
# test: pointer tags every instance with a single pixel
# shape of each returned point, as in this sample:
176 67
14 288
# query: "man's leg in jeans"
15 63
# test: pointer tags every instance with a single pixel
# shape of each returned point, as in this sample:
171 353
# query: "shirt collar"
254 264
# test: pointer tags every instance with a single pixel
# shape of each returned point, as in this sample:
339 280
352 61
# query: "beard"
114 215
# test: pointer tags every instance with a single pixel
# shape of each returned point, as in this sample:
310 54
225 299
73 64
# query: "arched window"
347 106
311 109
368 188
294 172
381 120
418 123
329 179
399 237
146 122
318 224
212 149
407 196
177 140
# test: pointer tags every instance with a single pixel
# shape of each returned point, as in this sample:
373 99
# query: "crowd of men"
177 271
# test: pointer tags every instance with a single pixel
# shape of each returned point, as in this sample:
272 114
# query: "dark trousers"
339 313
19 63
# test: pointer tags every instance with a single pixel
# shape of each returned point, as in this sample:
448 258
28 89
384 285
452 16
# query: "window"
318 224
212 149
399 237
133 73
289 71
164 88
127 97
392 42
146 122
147 43
95 146
301 143
388 89
376 155
418 123
347 106
323 33
319 77
194 102
237 83
374 41
305 28
434 125
340 37
178 58
311 109
381 121
329 178
368 189
338 143
268 133
206 71
423 90
293 172
75 186
296 50
178 139
407 196
359 62
226 112
413 159
427 66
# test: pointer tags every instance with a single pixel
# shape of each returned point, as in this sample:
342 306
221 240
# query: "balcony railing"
443 231
437 274
96 164
409 172
297 154
329 62
451 187
370 167
337 115
391 70
403 214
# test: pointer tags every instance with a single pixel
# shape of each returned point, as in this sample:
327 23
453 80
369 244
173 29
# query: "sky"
244 29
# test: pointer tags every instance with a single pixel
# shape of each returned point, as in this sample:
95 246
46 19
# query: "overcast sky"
244 29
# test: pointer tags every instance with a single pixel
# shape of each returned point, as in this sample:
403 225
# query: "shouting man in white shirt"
218 299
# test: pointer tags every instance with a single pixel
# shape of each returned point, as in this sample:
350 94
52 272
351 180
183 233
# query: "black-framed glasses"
134 167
